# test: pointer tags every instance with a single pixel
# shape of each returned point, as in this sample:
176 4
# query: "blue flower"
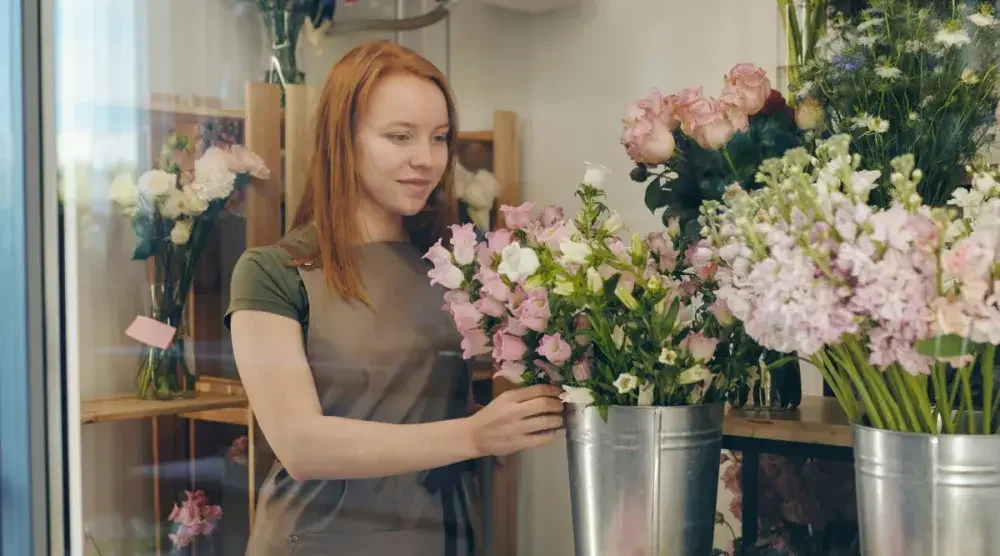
848 62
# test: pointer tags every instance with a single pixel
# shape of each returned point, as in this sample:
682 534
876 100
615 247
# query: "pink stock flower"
555 349
507 347
648 133
243 161
474 342
751 85
463 242
534 311
516 217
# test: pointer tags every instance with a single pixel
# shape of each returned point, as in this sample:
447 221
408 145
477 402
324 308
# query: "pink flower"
449 276
686 100
463 239
474 342
507 347
550 215
581 370
550 371
534 311
466 316
491 306
511 371
647 135
553 235
438 255
243 161
516 217
664 251
701 348
498 239
555 349
721 312
237 452
515 327
751 84
709 124
492 284
700 256
454 296
195 517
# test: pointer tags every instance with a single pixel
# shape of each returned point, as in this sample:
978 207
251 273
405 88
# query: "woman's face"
402 144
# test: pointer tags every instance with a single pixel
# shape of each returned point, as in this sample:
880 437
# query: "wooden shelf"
485 136
818 420
123 408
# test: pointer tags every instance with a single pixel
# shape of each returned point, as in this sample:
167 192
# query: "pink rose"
730 105
709 125
701 348
685 101
475 342
511 371
466 316
646 136
516 217
463 240
534 311
581 370
507 347
555 349
751 84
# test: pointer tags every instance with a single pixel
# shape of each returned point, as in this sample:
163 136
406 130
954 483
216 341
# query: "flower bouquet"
694 147
620 326
172 211
911 77
194 517
899 309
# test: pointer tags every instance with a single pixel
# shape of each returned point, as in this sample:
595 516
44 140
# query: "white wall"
568 74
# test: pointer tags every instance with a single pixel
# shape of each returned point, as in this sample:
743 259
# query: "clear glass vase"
283 30
164 374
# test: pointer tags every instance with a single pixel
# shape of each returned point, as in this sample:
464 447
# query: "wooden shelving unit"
818 420
128 407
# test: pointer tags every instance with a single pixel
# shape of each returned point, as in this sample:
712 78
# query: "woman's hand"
517 419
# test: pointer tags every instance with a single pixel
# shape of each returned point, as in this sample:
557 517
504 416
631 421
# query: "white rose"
517 262
123 190
193 204
172 205
596 174
180 233
574 252
157 182
626 382
577 395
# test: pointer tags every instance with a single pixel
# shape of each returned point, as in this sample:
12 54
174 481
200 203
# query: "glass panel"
143 85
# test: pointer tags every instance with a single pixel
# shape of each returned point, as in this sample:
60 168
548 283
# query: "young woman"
353 370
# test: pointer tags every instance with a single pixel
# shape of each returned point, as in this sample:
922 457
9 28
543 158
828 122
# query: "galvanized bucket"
927 494
645 482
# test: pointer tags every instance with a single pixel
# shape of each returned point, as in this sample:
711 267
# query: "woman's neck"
375 224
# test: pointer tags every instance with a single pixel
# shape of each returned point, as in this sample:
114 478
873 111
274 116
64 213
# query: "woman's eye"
398 136
441 138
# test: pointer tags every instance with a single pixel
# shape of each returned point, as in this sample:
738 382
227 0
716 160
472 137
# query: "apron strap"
447 480
300 258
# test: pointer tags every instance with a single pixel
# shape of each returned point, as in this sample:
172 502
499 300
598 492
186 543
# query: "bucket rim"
711 405
926 435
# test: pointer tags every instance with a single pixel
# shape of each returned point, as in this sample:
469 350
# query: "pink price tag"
151 332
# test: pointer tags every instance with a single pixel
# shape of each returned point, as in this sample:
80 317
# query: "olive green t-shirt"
263 281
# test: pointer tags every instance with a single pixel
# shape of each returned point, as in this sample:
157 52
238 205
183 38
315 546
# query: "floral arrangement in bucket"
567 301
914 78
172 210
885 302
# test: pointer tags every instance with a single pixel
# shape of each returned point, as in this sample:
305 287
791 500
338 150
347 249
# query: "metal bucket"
927 494
645 482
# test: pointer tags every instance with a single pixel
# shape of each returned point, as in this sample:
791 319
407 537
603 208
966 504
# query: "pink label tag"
151 332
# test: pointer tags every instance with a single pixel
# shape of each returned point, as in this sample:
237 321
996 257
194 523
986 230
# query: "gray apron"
398 362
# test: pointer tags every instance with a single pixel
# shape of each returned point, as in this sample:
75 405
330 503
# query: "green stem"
876 380
729 160
987 371
941 394
918 388
841 388
968 408
901 392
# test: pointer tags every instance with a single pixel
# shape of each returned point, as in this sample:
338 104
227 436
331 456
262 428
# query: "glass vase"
772 388
164 373
283 30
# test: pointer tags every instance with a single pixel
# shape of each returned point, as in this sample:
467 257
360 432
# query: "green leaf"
610 284
947 346
743 150
675 306
602 410
654 195
147 248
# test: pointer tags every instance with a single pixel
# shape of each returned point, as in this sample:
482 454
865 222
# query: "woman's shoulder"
265 278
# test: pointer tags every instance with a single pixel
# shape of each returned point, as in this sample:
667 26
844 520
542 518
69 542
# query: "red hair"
333 188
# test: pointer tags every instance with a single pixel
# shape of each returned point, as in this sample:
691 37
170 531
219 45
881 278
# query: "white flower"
180 233
866 41
982 20
157 182
563 287
577 395
645 394
694 374
596 174
888 72
618 337
172 206
862 182
952 37
878 125
969 77
668 356
594 281
613 224
212 177
193 204
626 382
866 25
123 190
574 252
983 182
517 262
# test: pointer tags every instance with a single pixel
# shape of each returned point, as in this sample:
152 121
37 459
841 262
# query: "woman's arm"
275 373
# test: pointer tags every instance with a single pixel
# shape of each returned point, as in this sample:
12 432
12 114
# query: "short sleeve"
261 281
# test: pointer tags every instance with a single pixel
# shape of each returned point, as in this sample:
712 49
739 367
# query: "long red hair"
333 190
